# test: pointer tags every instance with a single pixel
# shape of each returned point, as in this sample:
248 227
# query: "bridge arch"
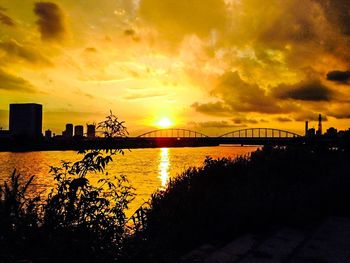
260 133
172 133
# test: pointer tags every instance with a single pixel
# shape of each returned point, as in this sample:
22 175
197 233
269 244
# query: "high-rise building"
69 130
319 130
91 131
306 128
26 120
79 130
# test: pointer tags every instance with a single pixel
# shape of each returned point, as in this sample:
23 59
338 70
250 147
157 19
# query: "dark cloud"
240 120
129 32
13 83
305 91
132 33
337 11
283 119
339 111
213 124
18 51
243 96
91 49
309 116
51 20
5 19
341 115
339 76
237 95
213 108
295 24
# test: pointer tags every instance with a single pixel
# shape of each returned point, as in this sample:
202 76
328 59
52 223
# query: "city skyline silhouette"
174 131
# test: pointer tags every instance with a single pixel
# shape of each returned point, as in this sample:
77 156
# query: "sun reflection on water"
147 169
164 165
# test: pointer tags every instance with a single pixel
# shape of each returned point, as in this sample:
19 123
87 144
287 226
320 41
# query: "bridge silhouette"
177 137
173 133
266 133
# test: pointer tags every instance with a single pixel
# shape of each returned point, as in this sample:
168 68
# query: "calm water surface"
146 169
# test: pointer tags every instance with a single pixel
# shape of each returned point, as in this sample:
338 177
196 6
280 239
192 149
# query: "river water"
146 169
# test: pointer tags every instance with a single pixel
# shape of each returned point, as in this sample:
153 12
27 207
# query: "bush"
78 221
293 186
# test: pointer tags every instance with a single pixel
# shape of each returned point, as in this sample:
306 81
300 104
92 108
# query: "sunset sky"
207 65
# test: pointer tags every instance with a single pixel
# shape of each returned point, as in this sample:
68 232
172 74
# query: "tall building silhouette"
319 130
26 120
69 130
306 128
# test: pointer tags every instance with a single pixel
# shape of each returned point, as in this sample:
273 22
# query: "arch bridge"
260 133
172 133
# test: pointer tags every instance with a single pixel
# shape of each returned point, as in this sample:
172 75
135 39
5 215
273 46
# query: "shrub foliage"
78 221
294 186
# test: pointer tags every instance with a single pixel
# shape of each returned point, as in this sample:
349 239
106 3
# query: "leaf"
78 182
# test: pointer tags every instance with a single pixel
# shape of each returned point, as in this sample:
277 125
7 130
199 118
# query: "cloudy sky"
208 65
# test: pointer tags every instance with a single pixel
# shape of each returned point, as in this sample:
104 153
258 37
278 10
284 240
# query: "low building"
79 130
332 132
311 132
48 134
91 131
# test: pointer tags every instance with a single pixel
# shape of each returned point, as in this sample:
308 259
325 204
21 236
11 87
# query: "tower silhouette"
319 131
306 128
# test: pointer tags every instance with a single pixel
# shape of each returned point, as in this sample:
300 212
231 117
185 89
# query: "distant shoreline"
136 143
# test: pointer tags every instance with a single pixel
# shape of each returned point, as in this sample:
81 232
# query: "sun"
164 123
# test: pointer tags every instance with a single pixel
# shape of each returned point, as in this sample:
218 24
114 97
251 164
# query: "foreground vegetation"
290 186
77 221
295 186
